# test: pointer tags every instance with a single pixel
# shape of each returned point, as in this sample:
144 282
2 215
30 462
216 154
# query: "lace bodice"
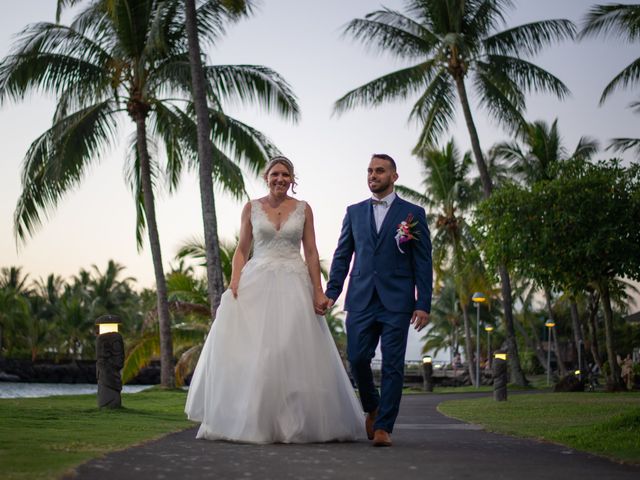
277 249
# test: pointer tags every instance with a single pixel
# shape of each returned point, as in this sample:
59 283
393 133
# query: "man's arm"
341 260
422 263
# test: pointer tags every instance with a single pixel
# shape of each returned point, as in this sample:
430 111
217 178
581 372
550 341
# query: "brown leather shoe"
381 438
368 423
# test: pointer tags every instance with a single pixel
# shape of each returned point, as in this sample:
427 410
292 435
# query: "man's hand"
419 319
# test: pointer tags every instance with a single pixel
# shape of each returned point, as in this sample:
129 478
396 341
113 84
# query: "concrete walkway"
427 445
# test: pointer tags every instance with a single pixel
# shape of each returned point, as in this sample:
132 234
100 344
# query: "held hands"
419 319
321 302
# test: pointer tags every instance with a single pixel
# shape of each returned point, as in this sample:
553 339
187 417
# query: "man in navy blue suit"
389 289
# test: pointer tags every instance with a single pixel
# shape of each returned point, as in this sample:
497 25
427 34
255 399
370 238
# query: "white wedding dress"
269 370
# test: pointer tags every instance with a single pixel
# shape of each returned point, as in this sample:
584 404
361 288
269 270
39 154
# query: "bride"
269 370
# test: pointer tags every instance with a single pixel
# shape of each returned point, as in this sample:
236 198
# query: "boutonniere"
406 231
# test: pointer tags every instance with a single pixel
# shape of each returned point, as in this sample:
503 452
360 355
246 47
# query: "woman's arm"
242 251
312 258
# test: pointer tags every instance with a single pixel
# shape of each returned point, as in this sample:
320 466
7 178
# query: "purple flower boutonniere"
406 231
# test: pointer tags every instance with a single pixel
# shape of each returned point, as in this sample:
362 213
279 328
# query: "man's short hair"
386 157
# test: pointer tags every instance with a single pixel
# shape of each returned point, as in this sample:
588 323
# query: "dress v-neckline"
282 222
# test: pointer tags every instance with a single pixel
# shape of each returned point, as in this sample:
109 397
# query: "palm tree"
233 9
131 57
13 306
543 152
194 249
444 322
448 193
453 40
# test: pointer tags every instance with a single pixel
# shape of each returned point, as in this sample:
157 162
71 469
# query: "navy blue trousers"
364 330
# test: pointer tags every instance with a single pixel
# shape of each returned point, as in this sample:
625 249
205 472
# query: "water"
32 390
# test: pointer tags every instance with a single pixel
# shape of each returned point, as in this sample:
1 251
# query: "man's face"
381 177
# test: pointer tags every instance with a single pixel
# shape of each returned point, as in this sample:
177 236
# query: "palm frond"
57 161
435 109
620 145
628 76
254 84
396 85
187 363
612 19
55 59
389 31
529 39
140 355
414 196
242 141
586 149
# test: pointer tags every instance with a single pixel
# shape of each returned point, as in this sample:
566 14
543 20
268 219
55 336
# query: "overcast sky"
301 40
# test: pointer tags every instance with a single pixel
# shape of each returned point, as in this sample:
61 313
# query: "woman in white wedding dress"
269 371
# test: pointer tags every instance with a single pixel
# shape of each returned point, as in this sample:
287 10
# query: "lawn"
42 438
605 424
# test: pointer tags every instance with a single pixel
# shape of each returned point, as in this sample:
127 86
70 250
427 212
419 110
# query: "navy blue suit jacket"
403 281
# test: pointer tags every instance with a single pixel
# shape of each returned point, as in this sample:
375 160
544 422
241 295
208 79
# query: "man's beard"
381 187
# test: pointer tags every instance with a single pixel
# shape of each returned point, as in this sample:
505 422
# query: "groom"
389 289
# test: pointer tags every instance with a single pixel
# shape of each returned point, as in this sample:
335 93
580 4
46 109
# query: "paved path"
427 445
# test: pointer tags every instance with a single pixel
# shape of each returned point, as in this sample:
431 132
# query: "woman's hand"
320 302
233 286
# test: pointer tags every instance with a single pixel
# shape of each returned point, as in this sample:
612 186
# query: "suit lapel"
372 222
389 219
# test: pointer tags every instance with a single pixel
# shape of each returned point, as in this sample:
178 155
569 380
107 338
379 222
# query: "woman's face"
279 179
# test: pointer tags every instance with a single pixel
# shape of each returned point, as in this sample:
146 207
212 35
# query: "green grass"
41 438
600 423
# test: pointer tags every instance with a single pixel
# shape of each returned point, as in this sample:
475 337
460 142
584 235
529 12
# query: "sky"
302 41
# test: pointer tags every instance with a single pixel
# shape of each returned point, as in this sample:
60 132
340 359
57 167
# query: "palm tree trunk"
594 301
577 332
517 375
468 349
215 283
614 380
167 375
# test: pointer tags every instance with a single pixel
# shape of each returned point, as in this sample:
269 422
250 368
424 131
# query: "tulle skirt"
269 371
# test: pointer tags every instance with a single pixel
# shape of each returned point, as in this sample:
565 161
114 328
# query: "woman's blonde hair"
288 165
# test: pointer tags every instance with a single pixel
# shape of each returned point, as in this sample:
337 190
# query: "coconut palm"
13 306
227 8
130 57
194 249
454 41
542 153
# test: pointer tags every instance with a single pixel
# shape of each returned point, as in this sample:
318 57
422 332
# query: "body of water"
31 390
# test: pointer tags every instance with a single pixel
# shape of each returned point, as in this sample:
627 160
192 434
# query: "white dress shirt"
380 211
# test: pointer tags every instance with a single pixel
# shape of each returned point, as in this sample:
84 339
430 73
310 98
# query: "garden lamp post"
549 324
109 361
427 373
488 329
478 298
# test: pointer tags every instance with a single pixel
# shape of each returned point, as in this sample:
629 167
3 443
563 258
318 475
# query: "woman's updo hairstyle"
287 164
